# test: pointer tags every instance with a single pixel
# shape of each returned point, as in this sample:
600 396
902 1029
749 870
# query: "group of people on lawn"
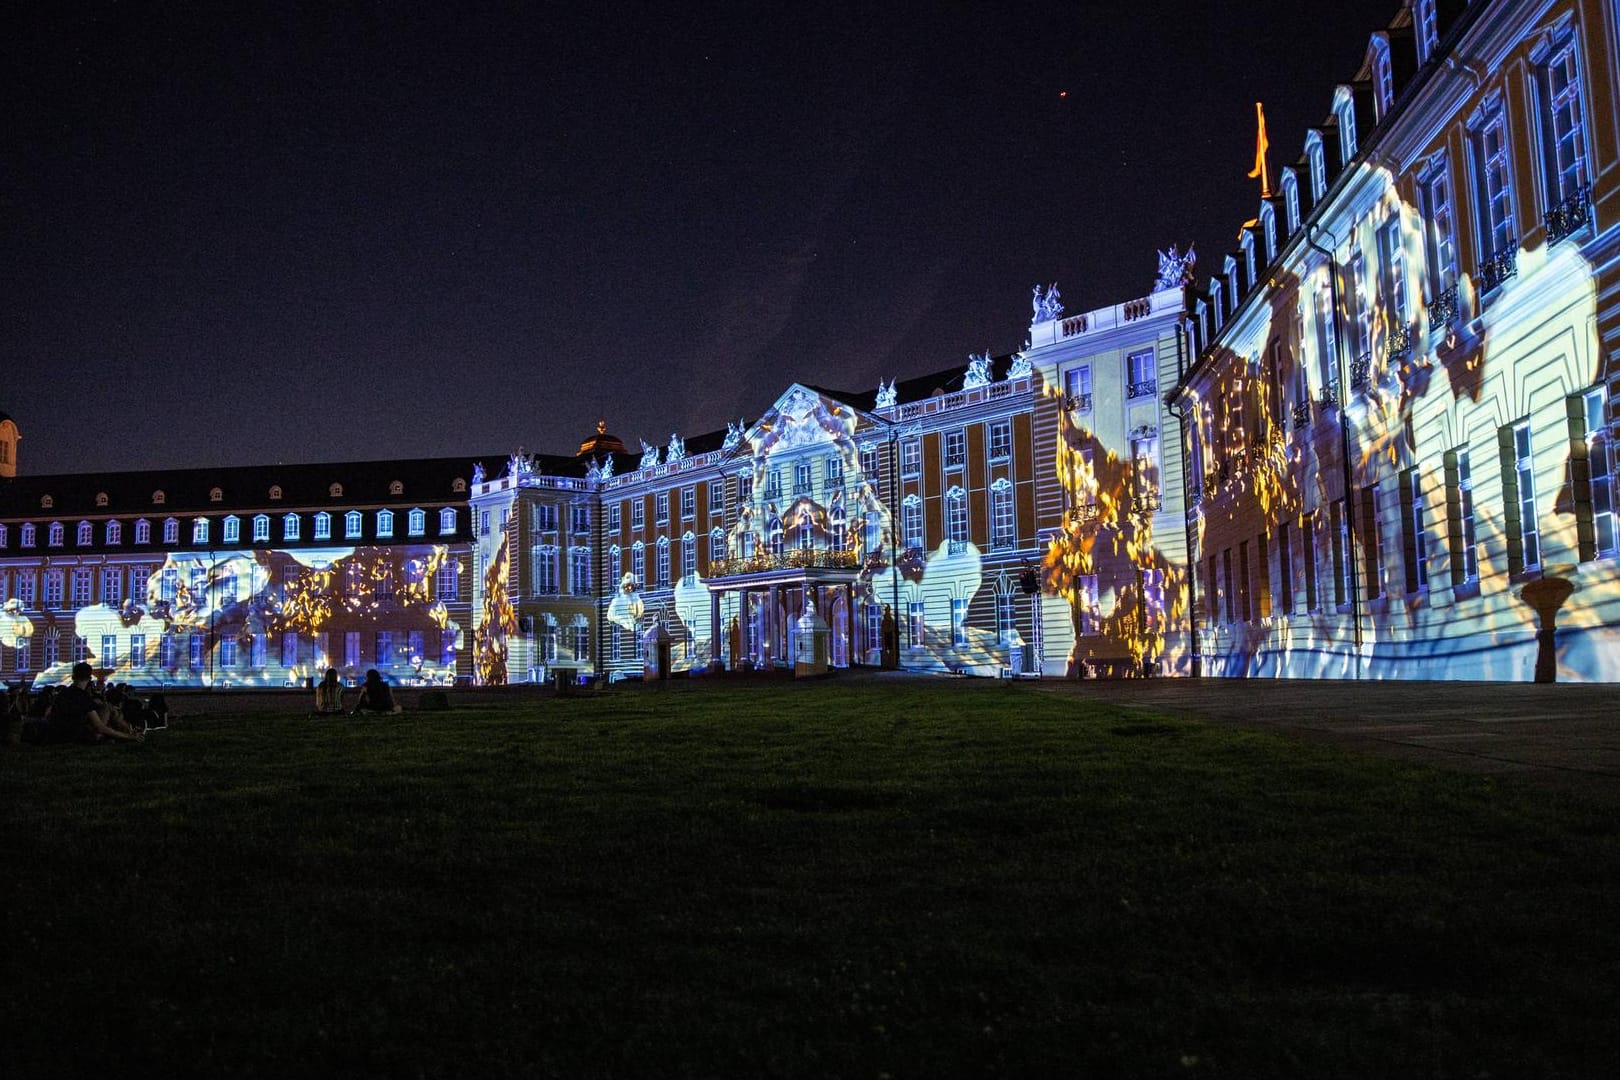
83 712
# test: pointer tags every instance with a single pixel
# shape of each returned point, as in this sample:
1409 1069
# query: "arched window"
26 536
911 522
1268 230
663 561
458 485
688 557
143 531
838 526
1251 268
717 546
1426 27
395 487
773 538
323 526
158 498
171 530
353 525
385 523
101 498
615 564
1383 76
56 533
956 517
275 492
231 531
290 527
447 521
1344 111
1290 190
199 530
416 521
638 562
216 495
1316 159
1002 528
115 532
335 491
47 502
261 528
85 535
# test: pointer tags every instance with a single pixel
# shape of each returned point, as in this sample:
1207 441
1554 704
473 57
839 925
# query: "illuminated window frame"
1344 111
1565 164
115 533
1003 531
688 556
199 530
447 520
230 530
323 525
956 516
1383 76
84 535
143 531
354 524
385 524
56 535
1598 441
717 545
25 536
416 522
1426 26
290 527
911 522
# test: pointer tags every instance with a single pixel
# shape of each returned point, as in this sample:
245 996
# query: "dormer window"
199 531
46 502
447 520
275 492
143 531
395 487
385 523
1233 289
1251 269
1344 111
416 522
57 534
101 498
1427 28
1290 189
84 537
1317 160
323 526
27 535
231 531
352 525
335 491
216 495
289 527
158 498
171 530
1268 230
261 528
115 533
1383 75
459 486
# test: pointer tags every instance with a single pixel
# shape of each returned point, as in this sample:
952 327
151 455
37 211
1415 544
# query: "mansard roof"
916 389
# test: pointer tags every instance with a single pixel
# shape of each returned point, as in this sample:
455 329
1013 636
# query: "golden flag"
1261 145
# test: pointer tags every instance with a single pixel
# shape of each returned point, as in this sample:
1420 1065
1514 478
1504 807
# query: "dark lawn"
912 878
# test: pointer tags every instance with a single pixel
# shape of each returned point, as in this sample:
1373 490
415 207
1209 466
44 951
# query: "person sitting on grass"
329 694
375 696
77 718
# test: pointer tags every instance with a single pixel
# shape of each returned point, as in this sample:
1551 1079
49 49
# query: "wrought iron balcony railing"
1329 398
1500 266
957 547
1443 308
1360 370
1570 216
1144 388
1302 415
1083 513
1078 402
1146 504
1399 344
795 559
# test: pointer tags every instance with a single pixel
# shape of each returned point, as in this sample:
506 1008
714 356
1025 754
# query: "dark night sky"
310 235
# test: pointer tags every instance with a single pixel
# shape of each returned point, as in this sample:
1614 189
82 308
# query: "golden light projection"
499 620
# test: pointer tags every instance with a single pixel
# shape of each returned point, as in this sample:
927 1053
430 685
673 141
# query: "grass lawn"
911 878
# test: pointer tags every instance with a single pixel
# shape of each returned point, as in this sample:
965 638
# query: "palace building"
1400 402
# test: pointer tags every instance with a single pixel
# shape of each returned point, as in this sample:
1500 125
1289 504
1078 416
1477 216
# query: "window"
869 463
773 536
1001 514
615 565
84 537
1004 617
1563 139
26 535
1372 542
385 524
581 643
137 650
335 491
717 497
143 531
1344 111
289 648
1245 604
25 587
834 473
446 584
275 496
910 457
351 648
112 586
956 518
82 583
579 570
1594 498
1290 186
353 524
5 537
638 513
1519 498
1460 518
230 530
663 561
158 498
745 487
56 533
1327 359
1427 28
1000 440
166 652
1415 539
689 557
959 611
1359 305
195 650
874 531
663 508
108 656
544 570
911 522
1141 378
1493 181
1317 160
688 503
802 482
1440 237
323 525
717 547
918 622
1383 78
1339 547
838 526
955 449
53 589
416 522
773 484
216 495
261 528
638 562
199 531
1285 569
447 646
1392 269
447 521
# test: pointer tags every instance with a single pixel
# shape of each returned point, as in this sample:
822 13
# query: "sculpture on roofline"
734 434
478 472
677 448
1048 303
519 465
978 372
649 455
1175 268
1020 367
886 394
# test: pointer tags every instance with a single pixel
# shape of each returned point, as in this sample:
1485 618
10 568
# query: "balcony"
1398 346
796 559
1570 216
1083 513
1302 415
956 547
1360 372
1498 268
1146 504
1443 309
1141 388
1329 398
1077 403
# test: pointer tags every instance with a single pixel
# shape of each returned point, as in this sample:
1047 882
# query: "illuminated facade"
1400 412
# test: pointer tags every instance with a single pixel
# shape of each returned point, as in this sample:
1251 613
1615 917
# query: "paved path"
1565 736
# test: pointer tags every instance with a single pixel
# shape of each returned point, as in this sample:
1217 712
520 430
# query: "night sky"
309 234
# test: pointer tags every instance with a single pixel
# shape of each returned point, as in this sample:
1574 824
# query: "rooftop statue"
1048 303
649 455
677 448
978 372
1020 366
478 472
886 394
1175 268
734 434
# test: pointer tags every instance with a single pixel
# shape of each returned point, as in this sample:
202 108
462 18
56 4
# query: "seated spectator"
157 712
76 717
329 694
375 696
